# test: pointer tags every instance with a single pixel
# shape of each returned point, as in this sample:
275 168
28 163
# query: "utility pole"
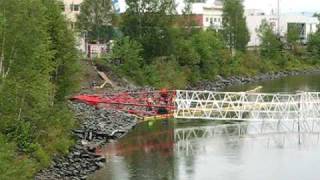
278 18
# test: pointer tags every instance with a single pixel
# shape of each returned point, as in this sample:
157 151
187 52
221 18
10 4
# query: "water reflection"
146 153
169 151
282 134
232 152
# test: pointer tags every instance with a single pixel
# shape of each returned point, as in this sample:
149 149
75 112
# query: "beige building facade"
71 9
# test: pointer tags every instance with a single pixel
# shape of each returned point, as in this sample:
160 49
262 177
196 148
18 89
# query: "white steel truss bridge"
247 106
280 134
248 129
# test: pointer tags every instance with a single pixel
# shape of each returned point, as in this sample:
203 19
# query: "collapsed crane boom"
143 104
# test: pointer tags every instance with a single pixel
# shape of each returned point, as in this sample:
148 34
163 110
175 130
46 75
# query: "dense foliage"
38 66
148 22
235 31
95 20
271 45
163 51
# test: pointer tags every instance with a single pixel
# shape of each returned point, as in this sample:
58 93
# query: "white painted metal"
248 129
246 106
280 134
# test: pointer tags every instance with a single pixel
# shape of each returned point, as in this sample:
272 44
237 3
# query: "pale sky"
267 5
285 5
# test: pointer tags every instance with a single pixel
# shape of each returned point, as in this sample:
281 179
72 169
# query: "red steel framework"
143 104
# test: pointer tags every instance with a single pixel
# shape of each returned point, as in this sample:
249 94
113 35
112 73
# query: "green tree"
209 46
187 19
95 19
317 15
127 60
293 36
12 165
164 72
270 43
235 31
314 45
186 53
149 23
65 57
26 89
38 60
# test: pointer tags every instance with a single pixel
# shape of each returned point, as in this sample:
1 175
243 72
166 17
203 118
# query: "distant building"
307 25
71 9
206 14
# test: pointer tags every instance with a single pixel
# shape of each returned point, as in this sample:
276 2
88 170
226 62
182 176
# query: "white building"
207 14
307 25
71 9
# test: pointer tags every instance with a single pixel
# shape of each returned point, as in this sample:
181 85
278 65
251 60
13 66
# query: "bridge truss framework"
246 106
280 134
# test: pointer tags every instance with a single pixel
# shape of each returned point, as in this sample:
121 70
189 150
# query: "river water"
151 152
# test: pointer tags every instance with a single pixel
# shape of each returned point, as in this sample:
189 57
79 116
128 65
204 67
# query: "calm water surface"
149 152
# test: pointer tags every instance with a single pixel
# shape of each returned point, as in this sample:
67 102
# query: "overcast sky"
285 5
268 5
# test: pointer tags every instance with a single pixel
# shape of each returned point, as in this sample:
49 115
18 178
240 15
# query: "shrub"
13 165
126 59
165 73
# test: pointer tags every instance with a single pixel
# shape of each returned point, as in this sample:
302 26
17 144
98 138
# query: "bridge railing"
248 129
246 106
268 134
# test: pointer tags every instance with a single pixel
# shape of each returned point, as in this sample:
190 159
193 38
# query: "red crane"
143 104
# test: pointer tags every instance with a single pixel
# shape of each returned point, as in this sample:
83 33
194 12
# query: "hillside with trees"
39 64
156 49
38 69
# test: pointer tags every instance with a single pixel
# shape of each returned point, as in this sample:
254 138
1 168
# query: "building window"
62 7
74 7
215 19
207 19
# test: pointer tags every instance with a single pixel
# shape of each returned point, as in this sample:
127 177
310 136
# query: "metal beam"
246 106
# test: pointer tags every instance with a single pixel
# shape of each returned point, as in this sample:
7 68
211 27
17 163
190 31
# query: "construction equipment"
142 104
147 105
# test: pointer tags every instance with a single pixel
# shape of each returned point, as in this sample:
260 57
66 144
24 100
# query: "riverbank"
221 82
96 128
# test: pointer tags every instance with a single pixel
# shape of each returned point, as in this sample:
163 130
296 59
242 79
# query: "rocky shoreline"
221 83
97 127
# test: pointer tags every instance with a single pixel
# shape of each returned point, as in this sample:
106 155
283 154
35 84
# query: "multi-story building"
207 13
71 9
306 25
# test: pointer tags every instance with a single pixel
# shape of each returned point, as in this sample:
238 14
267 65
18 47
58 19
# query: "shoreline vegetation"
40 68
97 128
163 51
